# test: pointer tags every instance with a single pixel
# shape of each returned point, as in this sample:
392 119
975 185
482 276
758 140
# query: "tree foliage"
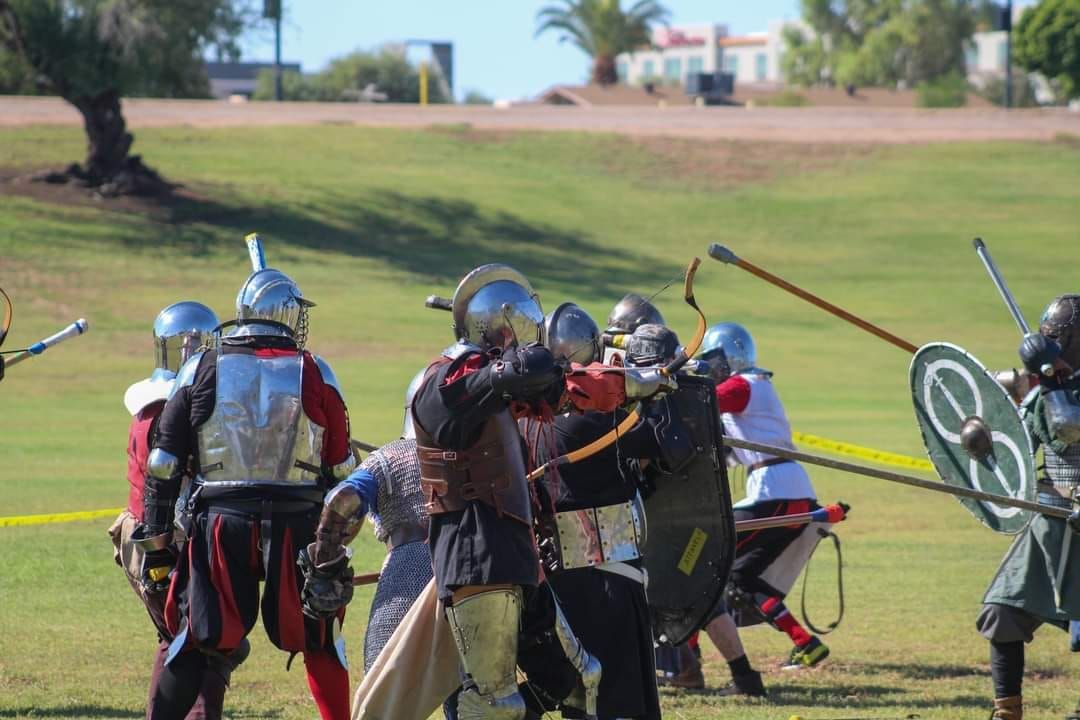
1047 41
346 78
93 52
602 29
879 42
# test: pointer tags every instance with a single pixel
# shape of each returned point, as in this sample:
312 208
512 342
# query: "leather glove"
643 383
157 566
1037 350
328 587
527 373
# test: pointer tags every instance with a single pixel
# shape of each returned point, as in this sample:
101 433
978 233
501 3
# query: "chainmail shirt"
396 468
1063 469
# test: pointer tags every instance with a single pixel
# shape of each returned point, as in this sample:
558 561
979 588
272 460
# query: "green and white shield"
973 432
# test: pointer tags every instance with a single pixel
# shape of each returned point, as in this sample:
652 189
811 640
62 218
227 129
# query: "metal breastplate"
401 501
258 433
594 536
1063 471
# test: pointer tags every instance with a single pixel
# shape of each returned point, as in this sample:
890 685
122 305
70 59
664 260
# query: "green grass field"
371 221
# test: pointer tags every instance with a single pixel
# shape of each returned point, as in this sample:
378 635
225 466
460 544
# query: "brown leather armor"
492 471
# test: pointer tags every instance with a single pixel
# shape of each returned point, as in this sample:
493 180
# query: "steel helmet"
494 306
1061 322
179 331
572 334
631 312
270 303
729 349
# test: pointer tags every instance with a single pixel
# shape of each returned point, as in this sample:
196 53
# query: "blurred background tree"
94 52
1047 41
879 42
347 78
602 29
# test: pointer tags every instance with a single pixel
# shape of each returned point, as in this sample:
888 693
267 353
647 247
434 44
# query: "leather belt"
767 463
406 534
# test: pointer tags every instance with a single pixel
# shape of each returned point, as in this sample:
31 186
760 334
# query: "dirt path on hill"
815 124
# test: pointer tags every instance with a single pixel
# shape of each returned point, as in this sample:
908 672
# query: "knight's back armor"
258 433
400 497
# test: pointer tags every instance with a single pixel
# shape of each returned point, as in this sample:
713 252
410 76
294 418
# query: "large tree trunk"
110 168
603 70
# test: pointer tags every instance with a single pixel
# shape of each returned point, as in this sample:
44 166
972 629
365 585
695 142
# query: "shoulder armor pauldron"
328 375
186 376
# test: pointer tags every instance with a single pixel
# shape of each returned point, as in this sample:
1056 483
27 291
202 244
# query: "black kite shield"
691 530
973 432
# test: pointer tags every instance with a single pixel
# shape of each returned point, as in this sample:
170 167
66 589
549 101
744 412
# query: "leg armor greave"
485 628
584 662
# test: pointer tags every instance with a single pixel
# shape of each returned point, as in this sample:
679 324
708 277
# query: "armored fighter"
1039 579
473 471
263 424
591 525
385 487
180 330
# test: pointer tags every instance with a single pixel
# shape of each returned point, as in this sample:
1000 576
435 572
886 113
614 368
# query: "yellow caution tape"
689 557
864 453
48 518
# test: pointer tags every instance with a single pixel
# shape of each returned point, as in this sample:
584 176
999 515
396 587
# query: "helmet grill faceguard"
1061 322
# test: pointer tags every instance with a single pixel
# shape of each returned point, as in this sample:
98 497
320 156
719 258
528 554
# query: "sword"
362 446
73 330
721 253
900 478
999 282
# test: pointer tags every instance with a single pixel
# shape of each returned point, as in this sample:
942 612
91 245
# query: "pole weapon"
724 255
1050 510
73 330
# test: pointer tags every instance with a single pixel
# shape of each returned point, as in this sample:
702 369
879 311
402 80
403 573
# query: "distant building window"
1003 55
971 56
647 70
673 69
761 66
731 64
695 65
622 70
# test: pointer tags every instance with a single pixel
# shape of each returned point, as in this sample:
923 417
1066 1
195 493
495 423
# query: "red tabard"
138 450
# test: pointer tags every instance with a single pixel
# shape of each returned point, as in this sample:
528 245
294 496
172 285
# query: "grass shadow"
440 238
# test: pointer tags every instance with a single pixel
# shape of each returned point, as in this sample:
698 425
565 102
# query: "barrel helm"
270 303
495 307
631 312
729 350
1061 322
179 331
572 334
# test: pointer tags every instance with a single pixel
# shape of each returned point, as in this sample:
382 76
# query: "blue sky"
494 48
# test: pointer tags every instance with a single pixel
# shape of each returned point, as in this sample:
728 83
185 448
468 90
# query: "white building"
755 59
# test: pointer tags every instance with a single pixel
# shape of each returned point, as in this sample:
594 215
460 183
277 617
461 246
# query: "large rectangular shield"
690 544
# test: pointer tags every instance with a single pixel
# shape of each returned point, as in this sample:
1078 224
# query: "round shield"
973 432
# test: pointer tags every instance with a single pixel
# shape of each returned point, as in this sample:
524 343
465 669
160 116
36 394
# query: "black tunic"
608 612
473 546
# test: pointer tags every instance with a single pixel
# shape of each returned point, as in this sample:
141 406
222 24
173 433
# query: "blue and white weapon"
75 329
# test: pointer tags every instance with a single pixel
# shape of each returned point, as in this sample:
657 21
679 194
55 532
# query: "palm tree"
602 29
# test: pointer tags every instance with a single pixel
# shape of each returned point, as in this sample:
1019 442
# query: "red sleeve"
733 395
469 365
324 406
591 389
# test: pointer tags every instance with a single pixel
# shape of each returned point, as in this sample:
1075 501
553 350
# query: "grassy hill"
369 222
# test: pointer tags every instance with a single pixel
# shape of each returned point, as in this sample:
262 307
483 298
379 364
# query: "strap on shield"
839 584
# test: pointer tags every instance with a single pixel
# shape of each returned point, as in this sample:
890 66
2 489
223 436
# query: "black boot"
748 684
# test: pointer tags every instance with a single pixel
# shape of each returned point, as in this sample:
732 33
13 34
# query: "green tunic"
1028 577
